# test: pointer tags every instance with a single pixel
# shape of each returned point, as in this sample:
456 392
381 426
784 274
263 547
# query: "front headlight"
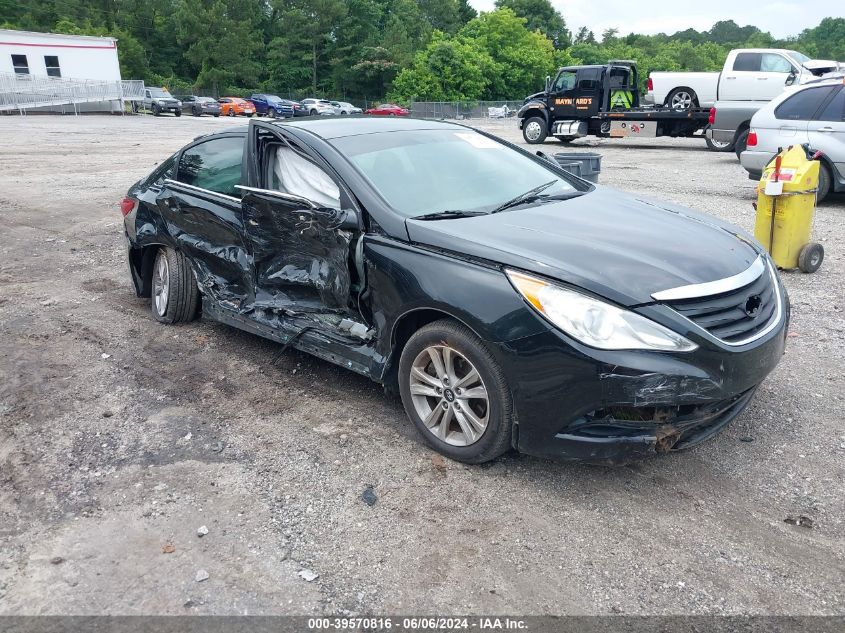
178 104
594 322
160 102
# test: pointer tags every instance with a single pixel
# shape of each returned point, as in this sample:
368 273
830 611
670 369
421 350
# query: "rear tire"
716 146
741 143
469 392
175 294
824 183
534 130
195 112
682 99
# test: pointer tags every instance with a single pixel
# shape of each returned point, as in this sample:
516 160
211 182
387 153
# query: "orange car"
230 106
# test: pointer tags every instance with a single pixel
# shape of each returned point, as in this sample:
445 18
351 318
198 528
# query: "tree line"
403 50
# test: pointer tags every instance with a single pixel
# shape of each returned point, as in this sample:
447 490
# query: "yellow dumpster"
786 201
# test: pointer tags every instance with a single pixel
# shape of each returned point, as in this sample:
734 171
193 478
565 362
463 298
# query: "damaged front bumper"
607 407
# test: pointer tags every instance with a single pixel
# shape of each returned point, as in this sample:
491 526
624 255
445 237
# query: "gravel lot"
120 437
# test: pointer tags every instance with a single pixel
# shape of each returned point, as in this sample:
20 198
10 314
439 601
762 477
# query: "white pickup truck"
749 74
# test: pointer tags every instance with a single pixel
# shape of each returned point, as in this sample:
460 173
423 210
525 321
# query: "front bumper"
613 407
755 162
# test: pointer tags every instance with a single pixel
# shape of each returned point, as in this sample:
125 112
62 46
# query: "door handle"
172 204
762 78
826 128
730 77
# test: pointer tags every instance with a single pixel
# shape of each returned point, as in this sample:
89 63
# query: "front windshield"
428 171
160 93
799 57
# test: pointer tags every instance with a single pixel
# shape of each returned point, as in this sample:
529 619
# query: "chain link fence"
463 110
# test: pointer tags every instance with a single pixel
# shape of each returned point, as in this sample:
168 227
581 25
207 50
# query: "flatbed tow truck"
602 100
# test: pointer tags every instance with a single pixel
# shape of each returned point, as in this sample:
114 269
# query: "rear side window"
748 62
835 110
802 105
214 165
165 170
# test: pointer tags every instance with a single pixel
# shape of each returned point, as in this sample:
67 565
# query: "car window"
428 171
835 110
748 62
774 63
565 81
293 173
214 165
164 170
588 79
802 105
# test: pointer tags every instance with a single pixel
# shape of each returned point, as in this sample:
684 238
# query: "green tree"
541 16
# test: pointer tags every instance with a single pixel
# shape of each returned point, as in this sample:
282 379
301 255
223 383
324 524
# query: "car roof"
339 127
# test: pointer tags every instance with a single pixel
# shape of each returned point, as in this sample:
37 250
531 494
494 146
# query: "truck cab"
571 104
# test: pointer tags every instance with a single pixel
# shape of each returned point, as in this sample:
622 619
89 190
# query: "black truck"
601 100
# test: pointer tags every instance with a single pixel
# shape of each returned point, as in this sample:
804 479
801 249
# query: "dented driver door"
298 237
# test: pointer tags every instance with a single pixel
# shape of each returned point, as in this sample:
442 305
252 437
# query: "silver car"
813 113
346 108
316 107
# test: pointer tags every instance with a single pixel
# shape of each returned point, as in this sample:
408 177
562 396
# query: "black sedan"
509 304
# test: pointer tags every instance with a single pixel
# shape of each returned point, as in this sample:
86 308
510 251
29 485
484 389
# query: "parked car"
316 107
158 100
271 105
201 105
296 107
749 74
232 106
344 108
388 109
813 114
431 258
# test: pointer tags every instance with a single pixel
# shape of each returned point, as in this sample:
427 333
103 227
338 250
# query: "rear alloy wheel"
681 99
455 393
175 295
717 146
534 130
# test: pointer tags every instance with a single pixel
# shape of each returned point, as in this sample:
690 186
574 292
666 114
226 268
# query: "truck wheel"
156 110
824 183
716 146
811 257
741 143
534 130
682 99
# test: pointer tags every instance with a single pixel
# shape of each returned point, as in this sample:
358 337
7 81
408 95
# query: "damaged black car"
508 303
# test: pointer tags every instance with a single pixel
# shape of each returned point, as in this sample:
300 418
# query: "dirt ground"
120 437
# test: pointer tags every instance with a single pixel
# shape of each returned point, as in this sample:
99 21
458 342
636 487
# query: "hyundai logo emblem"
752 305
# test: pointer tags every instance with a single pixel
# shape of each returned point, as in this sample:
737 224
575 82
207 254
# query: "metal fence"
462 110
22 92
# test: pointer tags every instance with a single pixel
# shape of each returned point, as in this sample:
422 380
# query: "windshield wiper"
524 197
449 214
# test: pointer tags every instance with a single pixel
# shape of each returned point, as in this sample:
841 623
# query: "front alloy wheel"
455 393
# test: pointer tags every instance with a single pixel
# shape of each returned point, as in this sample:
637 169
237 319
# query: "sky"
781 19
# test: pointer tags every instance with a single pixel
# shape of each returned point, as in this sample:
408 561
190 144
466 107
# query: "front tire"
178 113
175 295
534 130
231 112
156 110
455 393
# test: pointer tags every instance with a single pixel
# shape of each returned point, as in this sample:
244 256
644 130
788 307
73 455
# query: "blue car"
271 105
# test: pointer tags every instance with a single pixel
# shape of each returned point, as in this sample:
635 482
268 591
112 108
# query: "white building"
34 57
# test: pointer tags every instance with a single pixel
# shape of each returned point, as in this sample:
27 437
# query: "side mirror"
791 78
545 156
548 82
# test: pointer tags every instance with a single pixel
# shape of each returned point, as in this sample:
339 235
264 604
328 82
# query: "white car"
813 113
318 106
346 108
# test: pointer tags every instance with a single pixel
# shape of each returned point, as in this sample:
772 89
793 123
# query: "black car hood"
611 243
536 95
